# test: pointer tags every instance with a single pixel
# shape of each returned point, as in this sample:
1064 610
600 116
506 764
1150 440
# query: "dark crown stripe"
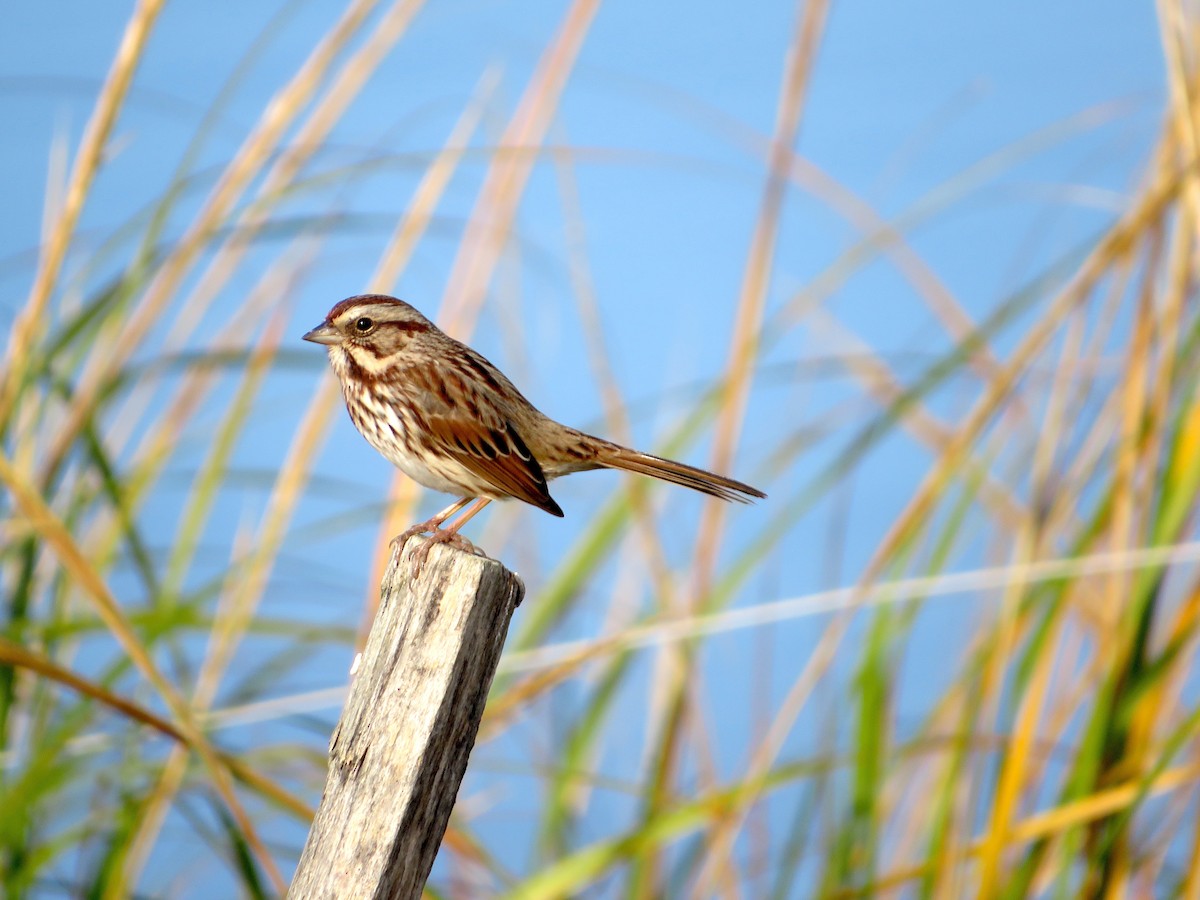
404 327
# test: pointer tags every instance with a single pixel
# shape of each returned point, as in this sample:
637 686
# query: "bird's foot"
430 527
437 535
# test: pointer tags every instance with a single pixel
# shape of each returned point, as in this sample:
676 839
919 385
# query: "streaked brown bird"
451 421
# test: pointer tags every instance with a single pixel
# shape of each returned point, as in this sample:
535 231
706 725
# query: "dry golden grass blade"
1189 442
226 630
1017 762
743 354
32 317
345 87
503 708
48 526
491 220
14 654
1181 272
615 414
1137 465
1140 416
111 356
1185 115
1079 470
247 590
743 343
1016 756
877 379
650 546
1116 245
1013 625
243 598
1183 632
1044 825
937 296
411 227
171 426
667 665
156 446
1191 884
1134 398
885 236
44 523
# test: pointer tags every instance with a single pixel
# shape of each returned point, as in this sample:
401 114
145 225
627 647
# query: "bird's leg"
451 536
439 535
480 503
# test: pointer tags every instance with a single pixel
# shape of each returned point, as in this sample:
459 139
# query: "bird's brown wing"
466 421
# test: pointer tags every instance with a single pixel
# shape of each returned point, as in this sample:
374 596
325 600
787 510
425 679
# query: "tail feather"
677 473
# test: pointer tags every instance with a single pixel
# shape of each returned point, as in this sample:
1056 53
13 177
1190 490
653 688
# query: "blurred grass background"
186 571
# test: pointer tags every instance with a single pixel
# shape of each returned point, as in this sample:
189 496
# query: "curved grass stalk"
236 178
47 525
87 164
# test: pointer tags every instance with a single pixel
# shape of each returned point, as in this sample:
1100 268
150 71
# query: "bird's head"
369 330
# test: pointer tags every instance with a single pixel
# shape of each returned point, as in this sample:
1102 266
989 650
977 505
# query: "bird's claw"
437 535
398 542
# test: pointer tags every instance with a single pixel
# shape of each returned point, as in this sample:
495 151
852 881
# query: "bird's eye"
364 325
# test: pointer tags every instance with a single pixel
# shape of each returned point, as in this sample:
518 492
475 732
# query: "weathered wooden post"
399 752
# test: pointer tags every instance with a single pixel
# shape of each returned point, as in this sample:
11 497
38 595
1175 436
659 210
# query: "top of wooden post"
401 747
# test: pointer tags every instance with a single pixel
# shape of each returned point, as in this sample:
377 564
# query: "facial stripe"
402 327
371 361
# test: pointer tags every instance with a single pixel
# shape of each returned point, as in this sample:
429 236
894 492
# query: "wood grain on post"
400 750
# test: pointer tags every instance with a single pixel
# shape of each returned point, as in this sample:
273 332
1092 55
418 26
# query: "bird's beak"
324 334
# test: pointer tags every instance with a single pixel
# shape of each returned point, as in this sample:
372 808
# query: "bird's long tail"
614 456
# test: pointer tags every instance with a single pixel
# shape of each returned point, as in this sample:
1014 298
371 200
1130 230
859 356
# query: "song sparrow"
450 420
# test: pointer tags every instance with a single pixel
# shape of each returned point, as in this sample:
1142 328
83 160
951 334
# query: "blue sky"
1054 105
